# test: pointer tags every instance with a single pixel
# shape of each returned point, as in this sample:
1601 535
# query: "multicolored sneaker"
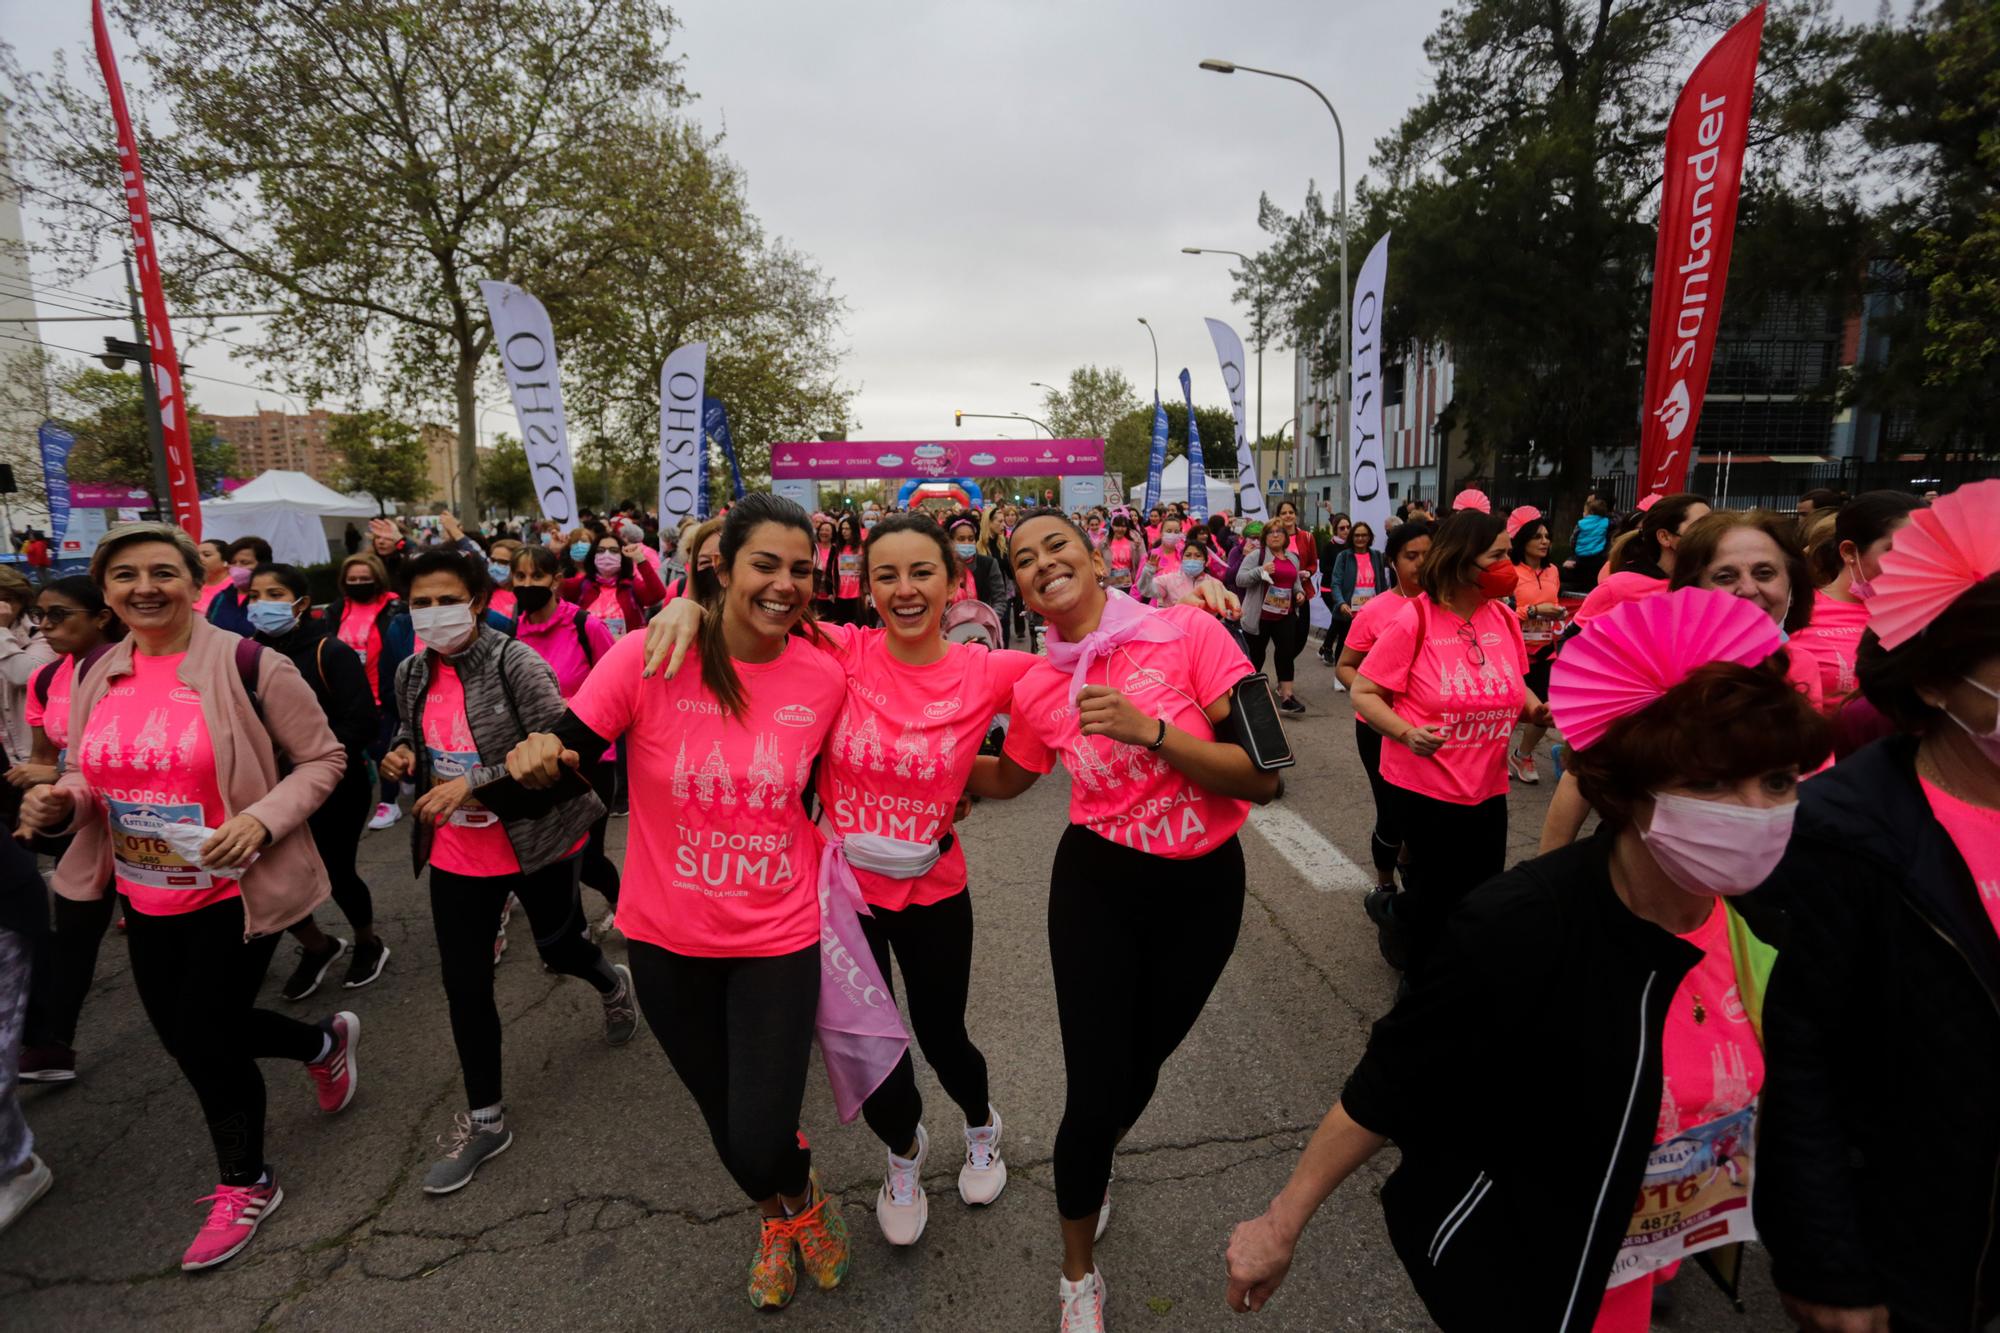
984 1174
236 1213
1082 1303
822 1236
774 1273
336 1077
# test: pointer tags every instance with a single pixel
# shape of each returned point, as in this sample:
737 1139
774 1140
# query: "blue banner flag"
715 421
56 444
1197 474
1158 459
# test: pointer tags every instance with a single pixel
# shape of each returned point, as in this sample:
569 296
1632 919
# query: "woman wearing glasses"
1444 683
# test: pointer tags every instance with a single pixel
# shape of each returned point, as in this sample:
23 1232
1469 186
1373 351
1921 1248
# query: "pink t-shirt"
1282 588
555 639
1475 704
606 609
903 748
473 841
207 595
1833 638
146 754
1366 627
847 573
1975 831
1616 590
502 601
1123 792
1710 1059
1121 561
53 719
722 861
358 630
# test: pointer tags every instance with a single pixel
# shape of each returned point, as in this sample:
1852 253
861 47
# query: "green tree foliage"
1093 402
379 456
504 481
107 411
1128 445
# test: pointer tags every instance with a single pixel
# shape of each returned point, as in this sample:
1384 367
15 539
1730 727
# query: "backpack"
581 624
45 679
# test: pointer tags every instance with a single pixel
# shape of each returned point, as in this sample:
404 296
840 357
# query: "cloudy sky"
1000 191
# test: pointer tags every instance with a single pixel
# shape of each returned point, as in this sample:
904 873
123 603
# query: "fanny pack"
893 858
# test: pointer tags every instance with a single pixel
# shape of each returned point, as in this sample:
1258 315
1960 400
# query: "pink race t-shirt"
1832 639
1121 562
1711 1063
1124 792
146 754
473 841
1975 831
722 861
1473 696
606 608
207 595
360 631
903 748
1616 590
1282 588
1369 619
556 641
53 718
502 602
847 573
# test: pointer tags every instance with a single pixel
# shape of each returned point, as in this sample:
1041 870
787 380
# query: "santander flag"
1704 176
183 495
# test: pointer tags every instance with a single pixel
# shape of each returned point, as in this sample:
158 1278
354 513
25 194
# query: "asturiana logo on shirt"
181 694
941 710
795 715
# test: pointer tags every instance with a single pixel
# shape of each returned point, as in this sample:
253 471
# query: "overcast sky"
999 191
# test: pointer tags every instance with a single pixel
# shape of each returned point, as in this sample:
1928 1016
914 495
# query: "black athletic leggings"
65 964
1453 850
1385 844
465 913
337 826
1273 635
197 978
933 947
1136 942
739 1033
598 871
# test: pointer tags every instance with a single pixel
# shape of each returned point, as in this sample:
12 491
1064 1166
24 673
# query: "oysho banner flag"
1367 492
1229 351
681 447
1157 459
183 494
1704 177
56 445
1197 473
528 358
715 421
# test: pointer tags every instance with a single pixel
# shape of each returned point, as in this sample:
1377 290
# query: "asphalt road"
611 1212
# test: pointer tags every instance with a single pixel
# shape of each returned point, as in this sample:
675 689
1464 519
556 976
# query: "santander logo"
795 715
941 710
1674 412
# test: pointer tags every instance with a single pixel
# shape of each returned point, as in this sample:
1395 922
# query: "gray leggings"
16 1142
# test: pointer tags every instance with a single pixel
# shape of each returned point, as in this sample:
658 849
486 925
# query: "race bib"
1121 577
849 565
449 765
1695 1196
145 854
1277 602
1360 595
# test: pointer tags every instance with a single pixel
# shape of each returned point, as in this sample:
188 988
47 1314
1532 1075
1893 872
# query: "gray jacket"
509 692
1250 587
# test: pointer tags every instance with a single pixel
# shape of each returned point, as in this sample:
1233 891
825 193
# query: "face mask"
1988 742
273 618
361 592
1861 588
609 562
497 571
966 550
444 629
1498 580
1171 540
1193 566
240 575
532 598
1717 846
579 550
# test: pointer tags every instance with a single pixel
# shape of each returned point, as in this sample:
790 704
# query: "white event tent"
302 519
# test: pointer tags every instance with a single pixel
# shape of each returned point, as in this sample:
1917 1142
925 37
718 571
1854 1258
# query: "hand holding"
438 804
1104 711
231 846
47 808
537 762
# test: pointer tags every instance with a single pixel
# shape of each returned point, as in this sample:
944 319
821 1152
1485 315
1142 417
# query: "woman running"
1268 580
1538 603
1340 532
719 903
176 795
1305 554
360 612
500 569
466 699
214 572
618 589
1146 893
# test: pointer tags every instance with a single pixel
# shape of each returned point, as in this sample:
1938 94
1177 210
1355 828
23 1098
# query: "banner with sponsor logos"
527 346
1197 472
56 445
1229 352
1704 176
715 421
1156 460
681 439
847 460
1367 489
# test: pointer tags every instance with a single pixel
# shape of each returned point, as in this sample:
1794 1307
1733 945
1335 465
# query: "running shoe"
1083 1303
1103 1214
774 1273
385 815
984 1174
22 1188
1522 766
53 1063
822 1236
621 1012
235 1213
367 963
1380 905
467 1148
1338 688
1291 705
336 1077
311 970
901 1206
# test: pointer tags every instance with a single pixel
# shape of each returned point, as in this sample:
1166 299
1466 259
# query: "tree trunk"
466 388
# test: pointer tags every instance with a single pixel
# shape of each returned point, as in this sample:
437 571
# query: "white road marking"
1319 863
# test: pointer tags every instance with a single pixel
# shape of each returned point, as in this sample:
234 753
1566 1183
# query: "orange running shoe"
822 1236
774 1273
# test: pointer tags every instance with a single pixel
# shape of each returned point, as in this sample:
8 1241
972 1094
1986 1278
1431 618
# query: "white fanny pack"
891 858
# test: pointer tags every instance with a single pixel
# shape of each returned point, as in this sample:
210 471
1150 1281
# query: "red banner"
184 496
1704 177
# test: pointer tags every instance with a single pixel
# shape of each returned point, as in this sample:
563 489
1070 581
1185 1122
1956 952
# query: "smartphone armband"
1254 724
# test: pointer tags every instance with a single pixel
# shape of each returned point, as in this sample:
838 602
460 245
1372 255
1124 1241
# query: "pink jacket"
287 880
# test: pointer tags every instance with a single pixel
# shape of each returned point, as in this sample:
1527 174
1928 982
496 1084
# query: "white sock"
490 1117
325 1047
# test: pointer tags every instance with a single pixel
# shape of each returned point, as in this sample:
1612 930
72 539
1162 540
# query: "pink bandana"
1124 620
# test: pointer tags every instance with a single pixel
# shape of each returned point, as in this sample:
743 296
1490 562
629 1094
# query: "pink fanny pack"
861 1035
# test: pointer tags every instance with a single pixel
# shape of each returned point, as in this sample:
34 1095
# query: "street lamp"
959 419
1199 250
1156 358
1346 313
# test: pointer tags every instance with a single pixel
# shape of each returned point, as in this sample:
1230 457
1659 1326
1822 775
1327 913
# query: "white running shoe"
22 1188
984 1174
385 815
1103 1213
901 1207
1082 1303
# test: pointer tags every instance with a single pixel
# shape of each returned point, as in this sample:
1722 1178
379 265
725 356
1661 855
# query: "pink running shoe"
237 1213
336 1076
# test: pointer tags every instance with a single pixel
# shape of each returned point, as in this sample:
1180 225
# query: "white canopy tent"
299 517
1174 488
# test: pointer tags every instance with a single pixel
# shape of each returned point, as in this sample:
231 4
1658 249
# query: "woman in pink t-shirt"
720 906
1755 554
1124 555
1268 579
843 567
214 572
1863 532
1146 893
1444 683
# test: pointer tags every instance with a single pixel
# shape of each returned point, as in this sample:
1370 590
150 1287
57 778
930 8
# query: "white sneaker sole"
277 1197
48 1178
380 963
453 1189
923 1211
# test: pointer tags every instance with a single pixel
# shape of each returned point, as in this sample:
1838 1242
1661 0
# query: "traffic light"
958 418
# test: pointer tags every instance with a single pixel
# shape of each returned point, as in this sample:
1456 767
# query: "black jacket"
1520 1077
1878 1144
334 671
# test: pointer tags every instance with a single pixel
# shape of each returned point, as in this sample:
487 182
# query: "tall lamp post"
1346 313
1199 250
1156 357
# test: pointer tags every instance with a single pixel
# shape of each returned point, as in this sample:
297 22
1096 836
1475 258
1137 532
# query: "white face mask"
1988 741
444 629
1717 846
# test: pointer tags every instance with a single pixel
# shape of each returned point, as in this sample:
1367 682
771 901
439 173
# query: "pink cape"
861 1035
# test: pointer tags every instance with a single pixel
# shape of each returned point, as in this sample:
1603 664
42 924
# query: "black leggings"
337 827
465 913
65 964
1136 942
1274 635
598 872
1453 850
197 978
391 787
739 1033
933 946
1386 842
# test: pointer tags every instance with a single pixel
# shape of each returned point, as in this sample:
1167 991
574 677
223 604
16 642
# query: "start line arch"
797 467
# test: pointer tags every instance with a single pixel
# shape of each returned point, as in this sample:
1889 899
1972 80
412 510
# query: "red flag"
182 493
1698 198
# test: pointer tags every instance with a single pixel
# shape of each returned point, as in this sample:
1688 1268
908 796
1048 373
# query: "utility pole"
141 351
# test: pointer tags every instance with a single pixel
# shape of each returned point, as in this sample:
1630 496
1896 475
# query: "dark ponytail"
718 671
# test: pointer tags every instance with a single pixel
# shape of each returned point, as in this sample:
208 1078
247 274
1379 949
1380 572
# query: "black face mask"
707 587
362 592
532 599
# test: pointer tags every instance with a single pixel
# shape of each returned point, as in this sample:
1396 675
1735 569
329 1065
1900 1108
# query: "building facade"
285 440
1417 388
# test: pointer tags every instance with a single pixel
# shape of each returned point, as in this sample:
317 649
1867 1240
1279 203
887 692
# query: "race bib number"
1360 595
849 565
1121 577
449 765
1695 1196
1277 602
144 854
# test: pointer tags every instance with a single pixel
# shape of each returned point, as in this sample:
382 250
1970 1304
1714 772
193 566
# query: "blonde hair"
131 534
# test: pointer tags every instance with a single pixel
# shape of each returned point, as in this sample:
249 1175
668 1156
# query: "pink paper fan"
1647 501
1472 498
1523 515
1631 656
1944 551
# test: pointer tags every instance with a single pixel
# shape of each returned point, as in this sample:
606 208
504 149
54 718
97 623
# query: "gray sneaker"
465 1147
621 1011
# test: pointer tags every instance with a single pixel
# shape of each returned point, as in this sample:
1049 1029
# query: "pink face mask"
1717 846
